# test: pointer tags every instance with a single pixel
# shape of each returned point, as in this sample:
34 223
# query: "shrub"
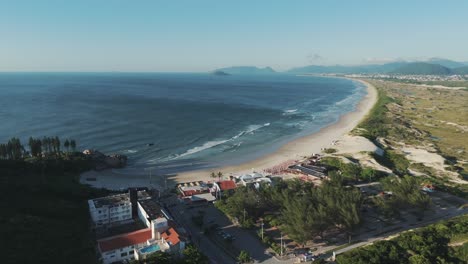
329 150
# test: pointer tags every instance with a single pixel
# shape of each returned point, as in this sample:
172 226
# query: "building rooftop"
111 200
124 240
190 188
227 185
171 236
152 208
114 200
203 197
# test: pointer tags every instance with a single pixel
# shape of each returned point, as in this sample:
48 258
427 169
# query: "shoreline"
293 150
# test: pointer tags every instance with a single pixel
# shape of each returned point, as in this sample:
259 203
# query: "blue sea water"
194 120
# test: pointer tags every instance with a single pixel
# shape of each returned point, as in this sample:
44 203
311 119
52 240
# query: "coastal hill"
244 70
446 63
461 70
422 68
371 68
434 66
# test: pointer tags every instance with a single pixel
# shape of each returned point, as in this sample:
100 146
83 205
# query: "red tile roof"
171 236
124 240
227 185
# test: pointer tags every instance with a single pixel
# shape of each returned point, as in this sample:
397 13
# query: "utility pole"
281 244
244 215
262 229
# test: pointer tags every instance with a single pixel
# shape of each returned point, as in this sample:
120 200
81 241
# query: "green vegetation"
461 252
350 172
405 194
329 150
376 123
443 83
244 257
431 119
46 147
425 245
305 211
44 208
191 255
394 161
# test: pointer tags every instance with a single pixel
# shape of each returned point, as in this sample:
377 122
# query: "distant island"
220 73
245 70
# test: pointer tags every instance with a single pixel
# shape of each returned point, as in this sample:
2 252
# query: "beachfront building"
158 235
141 243
115 209
110 209
149 210
222 186
317 172
256 179
191 188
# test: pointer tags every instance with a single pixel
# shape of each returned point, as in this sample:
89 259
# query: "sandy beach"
294 150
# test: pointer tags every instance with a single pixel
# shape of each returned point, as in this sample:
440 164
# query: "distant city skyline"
199 36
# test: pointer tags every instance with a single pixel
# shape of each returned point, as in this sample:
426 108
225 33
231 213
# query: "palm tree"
213 175
73 145
220 174
66 144
57 144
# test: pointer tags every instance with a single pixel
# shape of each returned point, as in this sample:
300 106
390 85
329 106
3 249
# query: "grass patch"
374 125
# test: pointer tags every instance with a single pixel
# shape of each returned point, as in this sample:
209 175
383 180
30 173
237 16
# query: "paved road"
183 218
212 248
405 227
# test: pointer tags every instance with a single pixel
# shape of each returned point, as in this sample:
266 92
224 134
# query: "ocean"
183 121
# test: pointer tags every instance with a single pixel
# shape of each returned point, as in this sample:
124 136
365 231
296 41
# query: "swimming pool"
150 249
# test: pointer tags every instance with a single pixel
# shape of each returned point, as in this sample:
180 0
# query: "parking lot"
229 236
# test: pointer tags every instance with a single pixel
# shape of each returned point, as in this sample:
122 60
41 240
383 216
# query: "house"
249 178
121 247
255 179
141 243
223 186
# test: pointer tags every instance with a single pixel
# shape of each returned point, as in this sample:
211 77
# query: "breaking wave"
211 144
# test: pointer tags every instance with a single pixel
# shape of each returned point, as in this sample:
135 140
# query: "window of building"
123 254
130 252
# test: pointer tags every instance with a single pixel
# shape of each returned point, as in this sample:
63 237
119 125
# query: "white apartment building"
113 209
110 209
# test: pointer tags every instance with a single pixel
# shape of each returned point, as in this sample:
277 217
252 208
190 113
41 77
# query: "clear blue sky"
198 35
